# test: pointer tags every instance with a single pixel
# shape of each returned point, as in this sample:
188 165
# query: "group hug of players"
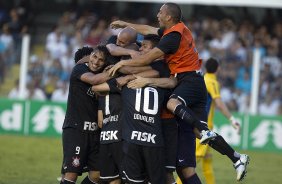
135 109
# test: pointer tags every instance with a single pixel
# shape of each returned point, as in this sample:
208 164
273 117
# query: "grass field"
37 160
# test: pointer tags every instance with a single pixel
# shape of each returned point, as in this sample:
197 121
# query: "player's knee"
70 177
94 176
186 172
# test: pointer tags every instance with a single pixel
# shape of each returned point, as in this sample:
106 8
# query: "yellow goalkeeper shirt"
213 93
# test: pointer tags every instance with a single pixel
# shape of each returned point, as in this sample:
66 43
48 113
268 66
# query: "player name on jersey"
143 136
147 119
110 119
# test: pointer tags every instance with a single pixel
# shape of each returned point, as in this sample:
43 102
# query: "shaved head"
127 36
174 11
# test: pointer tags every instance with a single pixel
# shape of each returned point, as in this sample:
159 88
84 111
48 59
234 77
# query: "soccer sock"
188 116
208 170
221 146
88 181
68 181
193 180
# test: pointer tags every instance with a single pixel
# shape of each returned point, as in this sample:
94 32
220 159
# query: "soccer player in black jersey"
142 134
80 130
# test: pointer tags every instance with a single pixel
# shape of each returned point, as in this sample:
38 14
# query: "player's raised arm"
94 79
142 60
140 28
120 51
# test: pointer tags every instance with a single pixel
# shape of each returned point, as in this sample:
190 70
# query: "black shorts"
191 91
143 163
81 151
186 146
170 141
110 161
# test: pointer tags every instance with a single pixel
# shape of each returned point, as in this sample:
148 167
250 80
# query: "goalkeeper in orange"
203 152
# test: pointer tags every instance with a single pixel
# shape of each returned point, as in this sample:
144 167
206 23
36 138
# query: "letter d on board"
11 119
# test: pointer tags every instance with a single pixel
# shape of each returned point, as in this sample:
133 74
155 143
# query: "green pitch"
34 160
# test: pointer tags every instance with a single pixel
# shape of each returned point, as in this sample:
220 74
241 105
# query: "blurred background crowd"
227 36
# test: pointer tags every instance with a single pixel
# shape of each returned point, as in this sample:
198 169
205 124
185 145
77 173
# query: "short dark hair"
174 11
154 39
104 50
82 52
211 65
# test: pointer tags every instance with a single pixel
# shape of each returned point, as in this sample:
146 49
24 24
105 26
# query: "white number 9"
77 150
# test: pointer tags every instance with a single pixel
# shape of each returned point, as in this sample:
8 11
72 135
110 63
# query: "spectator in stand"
61 93
66 26
269 107
56 44
50 86
244 83
34 91
15 92
6 50
97 33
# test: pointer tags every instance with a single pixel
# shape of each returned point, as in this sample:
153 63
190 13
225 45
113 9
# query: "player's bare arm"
224 110
140 82
142 60
134 69
95 79
140 28
104 87
120 51
100 118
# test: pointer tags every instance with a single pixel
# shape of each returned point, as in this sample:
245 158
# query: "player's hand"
118 24
139 82
235 124
121 81
112 71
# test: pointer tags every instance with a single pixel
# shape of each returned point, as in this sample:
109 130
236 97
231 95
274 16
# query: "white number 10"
146 104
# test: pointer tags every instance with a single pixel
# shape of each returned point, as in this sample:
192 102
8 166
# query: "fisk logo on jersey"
92 126
109 135
143 136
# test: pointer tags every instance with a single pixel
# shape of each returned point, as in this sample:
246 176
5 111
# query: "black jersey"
110 105
141 123
82 105
162 67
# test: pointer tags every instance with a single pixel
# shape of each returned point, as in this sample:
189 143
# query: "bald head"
127 36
